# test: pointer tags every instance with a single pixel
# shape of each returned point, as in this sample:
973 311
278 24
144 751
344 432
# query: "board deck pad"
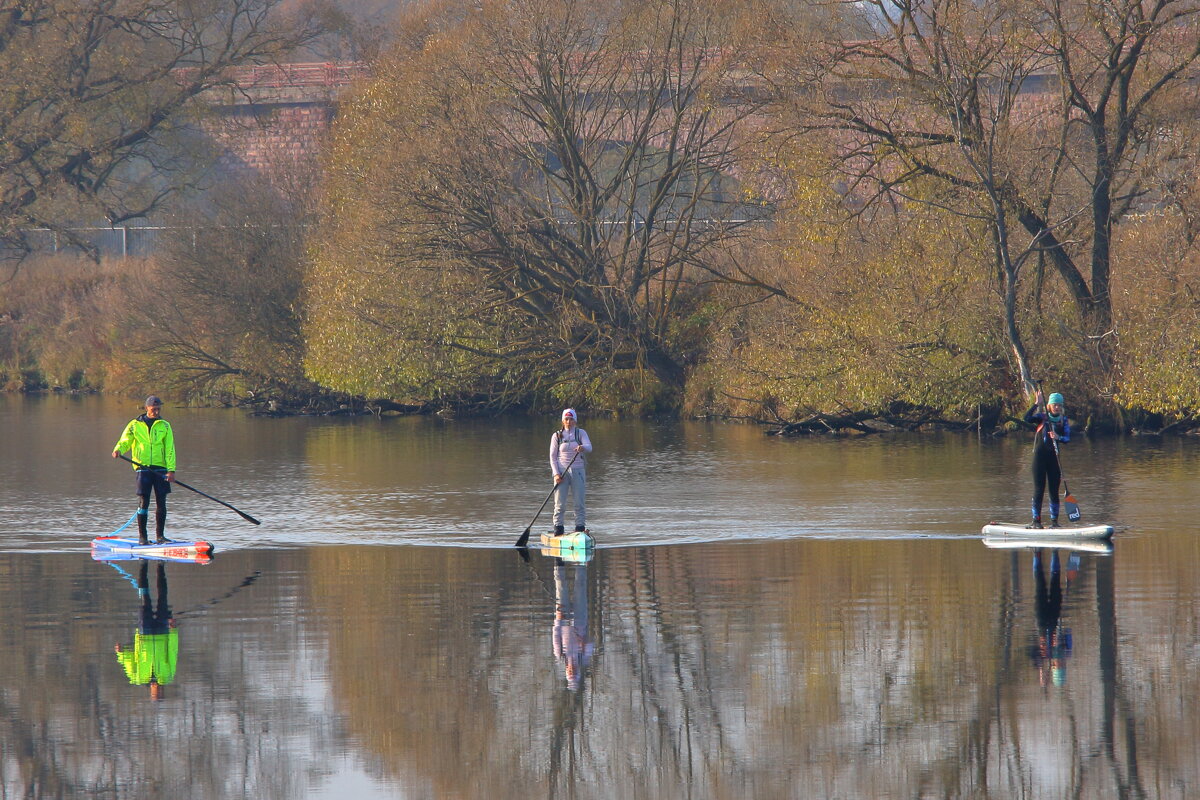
121 547
1069 532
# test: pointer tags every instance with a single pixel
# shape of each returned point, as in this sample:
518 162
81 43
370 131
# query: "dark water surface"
763 619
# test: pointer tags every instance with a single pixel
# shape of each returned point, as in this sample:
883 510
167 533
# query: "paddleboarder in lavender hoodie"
571 442
1052 427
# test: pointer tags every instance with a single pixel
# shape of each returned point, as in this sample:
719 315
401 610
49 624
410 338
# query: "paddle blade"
524 540
1073 512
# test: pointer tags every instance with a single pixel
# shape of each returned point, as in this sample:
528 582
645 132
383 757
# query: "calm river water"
763 618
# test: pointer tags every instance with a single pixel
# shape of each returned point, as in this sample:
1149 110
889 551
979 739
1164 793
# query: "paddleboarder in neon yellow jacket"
151 661
571 442
152 442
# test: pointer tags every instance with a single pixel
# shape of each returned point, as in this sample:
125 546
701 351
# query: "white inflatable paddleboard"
1072 532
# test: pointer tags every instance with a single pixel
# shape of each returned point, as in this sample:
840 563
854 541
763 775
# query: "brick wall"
278 116
266 138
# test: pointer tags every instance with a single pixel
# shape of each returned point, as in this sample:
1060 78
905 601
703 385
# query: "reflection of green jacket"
152 445
153 656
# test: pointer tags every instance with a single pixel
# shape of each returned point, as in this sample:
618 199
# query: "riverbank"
71 325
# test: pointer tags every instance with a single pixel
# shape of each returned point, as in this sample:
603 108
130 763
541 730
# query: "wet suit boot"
1037 523
141 521
580 529
160 525
558 530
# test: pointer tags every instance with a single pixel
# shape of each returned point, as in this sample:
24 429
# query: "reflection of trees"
1038 741
882 669
703 677
238 721
885 669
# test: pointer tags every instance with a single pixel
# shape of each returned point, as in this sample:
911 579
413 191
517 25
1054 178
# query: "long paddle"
1072 505
241 514
524 540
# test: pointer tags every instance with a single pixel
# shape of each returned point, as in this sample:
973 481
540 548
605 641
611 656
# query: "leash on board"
126 525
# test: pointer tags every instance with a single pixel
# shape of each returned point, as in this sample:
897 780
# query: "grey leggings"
574 480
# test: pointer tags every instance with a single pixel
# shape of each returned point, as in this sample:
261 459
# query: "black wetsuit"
1045 460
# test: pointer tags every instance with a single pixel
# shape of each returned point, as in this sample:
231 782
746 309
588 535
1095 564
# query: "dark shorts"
149 480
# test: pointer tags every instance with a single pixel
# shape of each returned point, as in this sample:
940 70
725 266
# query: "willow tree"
536 200
1073 146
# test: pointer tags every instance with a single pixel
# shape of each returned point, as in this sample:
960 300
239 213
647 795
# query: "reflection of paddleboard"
571 556
1079 532
579 540
1098 546
126 555
121 548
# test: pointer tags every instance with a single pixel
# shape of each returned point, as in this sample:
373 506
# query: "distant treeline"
848 217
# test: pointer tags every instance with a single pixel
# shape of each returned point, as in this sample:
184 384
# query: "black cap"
154 400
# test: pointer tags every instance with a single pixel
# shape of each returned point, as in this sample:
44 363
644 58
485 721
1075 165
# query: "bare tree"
94 90
1077 99
221 309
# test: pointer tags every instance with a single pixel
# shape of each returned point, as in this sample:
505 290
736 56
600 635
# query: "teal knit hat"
1056 397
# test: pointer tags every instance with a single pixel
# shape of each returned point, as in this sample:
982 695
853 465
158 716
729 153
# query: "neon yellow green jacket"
152 446
152 656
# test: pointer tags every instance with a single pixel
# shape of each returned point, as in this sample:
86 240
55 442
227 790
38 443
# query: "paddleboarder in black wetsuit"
152 441
1052 427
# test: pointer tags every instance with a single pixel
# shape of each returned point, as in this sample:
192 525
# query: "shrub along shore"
71 325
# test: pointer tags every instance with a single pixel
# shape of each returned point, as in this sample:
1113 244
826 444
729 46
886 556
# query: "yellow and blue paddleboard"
578 540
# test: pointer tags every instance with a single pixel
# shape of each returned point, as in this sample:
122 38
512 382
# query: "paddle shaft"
240 513
524 539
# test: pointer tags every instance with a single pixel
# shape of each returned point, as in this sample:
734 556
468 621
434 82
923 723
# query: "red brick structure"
277 117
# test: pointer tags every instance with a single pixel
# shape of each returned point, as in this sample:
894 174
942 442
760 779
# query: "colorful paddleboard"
1072 532
114 548
579 540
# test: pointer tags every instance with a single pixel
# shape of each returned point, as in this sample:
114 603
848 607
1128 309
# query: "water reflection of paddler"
571 642
1054 641
151 661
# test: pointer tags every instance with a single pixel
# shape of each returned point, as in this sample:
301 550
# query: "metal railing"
121 240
